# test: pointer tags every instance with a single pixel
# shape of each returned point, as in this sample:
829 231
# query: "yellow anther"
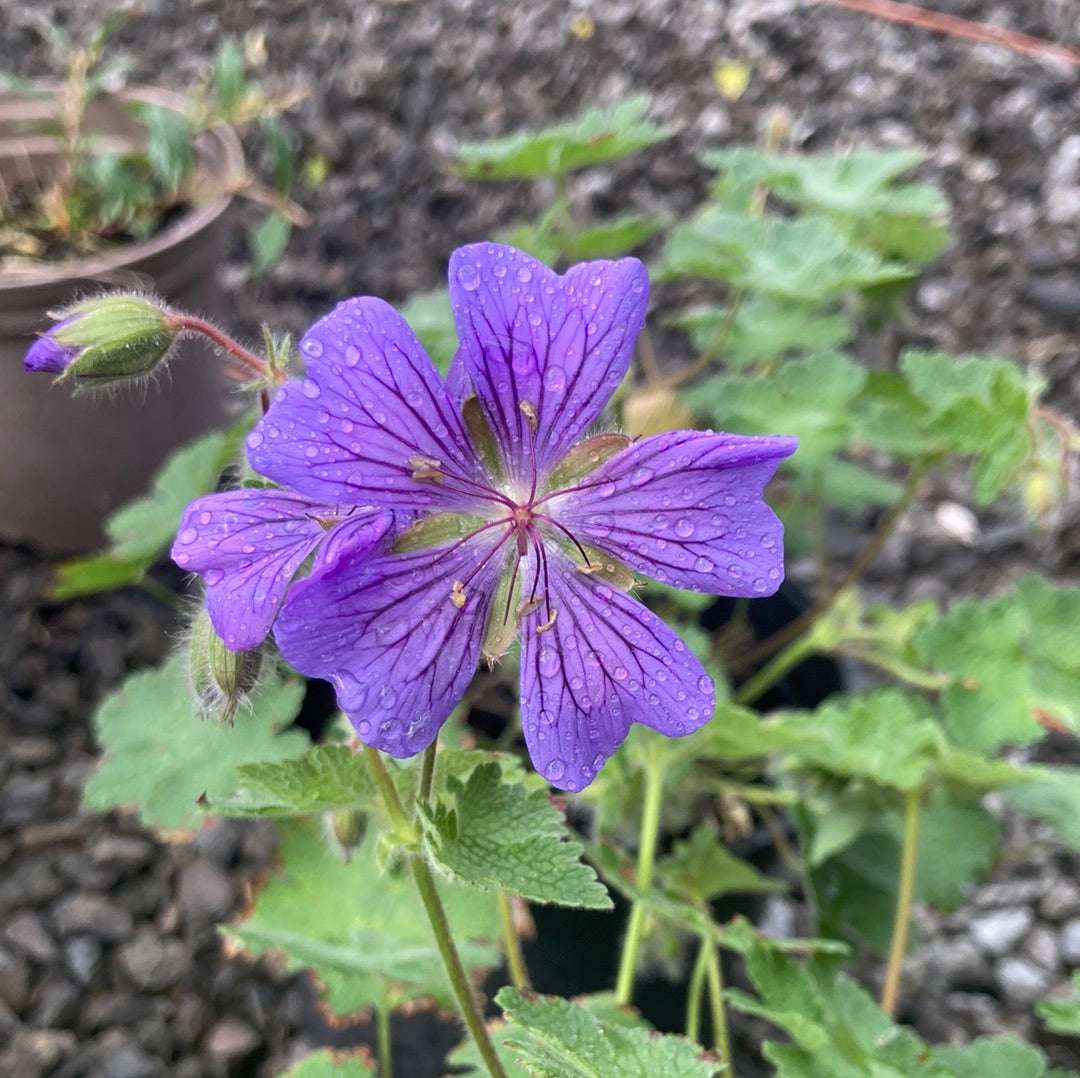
426 468
529 607
595 567
530 414
549 623
457 594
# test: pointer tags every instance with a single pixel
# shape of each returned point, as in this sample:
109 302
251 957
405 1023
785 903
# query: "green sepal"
501 632
434 531
483 438
584 458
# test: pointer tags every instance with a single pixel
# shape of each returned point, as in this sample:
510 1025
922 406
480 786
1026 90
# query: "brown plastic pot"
67 461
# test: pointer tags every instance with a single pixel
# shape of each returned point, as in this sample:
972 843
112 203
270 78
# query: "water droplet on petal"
311 390
469 278
524 274
705 685
555 379
556 769
548 663
759 584
189 535
683 528
703 565
620 673
254 440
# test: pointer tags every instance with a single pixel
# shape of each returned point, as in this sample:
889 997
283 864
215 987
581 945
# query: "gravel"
394 86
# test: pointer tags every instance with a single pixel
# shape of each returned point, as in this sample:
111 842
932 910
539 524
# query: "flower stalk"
909 855
440 925
515 958
650 829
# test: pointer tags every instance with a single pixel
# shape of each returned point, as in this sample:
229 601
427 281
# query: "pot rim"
191 222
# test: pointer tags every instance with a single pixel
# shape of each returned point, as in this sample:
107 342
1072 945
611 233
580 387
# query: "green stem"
716 1006
382 1019
650 828
515 960
694 993
440 926
773 671
427 774
909 855
459 981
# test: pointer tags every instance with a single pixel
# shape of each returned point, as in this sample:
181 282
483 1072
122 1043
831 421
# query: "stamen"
432 474
566 531
510 590
457 594
530 607
529 411
549 623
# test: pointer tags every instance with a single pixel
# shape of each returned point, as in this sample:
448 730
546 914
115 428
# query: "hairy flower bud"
345 830
221 679
106 339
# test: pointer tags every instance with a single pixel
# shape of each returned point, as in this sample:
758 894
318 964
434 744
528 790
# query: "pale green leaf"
555 1038
598 135
1062 1016
363 931
326 778
491 834
432 321
267 241
161 758
610 238
327 1063
1052 794
700 868
991 1057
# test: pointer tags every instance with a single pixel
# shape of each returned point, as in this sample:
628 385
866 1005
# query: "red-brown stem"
895 11
233 348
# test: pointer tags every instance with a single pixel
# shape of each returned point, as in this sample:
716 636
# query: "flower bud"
345 830
106 339
221 679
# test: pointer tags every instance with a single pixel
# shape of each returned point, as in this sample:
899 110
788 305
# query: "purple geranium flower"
48 354
515 523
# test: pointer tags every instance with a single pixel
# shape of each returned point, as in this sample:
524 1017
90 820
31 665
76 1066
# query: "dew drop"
548 662
469 278
311 390
555 379
204 518
214 576
499 270
705 685
556 769
189 535
683 528
352 356
703 565
524 275
312 347
640 476
759 584
254 440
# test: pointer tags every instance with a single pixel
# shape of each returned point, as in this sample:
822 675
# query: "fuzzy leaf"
611 238
170 145
94 573
598 135
161 757
324 779
991 1057
492 834
804 259
1053 795
230 84
361 930
555 1038
268 240
700 869
763 328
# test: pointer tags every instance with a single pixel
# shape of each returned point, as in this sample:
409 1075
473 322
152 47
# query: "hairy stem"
909 852
440 926
650 829
382 1020
695 991
232 348
427 774
715 976
515 959
867 556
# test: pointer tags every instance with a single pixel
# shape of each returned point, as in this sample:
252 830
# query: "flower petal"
248 544
560 344
372 410
387 632
686 508
606 662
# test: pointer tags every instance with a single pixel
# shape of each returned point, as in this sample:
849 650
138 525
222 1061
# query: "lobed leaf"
492 834
161 758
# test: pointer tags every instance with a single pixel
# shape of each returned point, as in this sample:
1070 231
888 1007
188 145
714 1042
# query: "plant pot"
67 461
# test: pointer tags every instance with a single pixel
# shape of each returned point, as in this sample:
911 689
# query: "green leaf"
326 778
700 869
281 145
495 834
763 328
144 527
363 931
94 573
161 758
1062 1016
1052 794
535 238
857 190
1015 662
432 321
612 238
991 1057
170 145
267 241
327 1063
230 82
598 135
805 259
554 1038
